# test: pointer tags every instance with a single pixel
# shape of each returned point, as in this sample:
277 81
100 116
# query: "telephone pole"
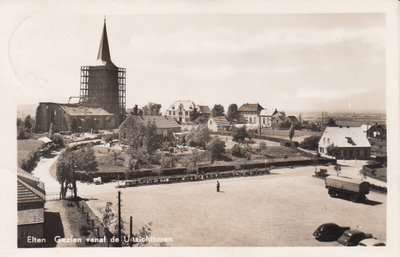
119 220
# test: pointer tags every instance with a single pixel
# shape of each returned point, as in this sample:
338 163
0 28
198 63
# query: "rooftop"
250 107
161 122
221 121
79 110
347 137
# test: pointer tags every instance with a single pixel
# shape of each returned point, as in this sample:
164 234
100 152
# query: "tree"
291 132
332 150
233 113
86 159
216 148
58 140
28 123
152 109
194 114
240 134
70 161
331 123
199 136
310 143
218 110
285 125
65 170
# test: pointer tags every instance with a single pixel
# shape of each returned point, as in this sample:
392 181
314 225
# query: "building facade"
30 204
218 124
181 111
278 118
54 117
350 142
251 112
266 117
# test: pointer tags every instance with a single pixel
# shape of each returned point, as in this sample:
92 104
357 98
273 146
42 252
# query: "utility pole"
73 177
119 220
130 232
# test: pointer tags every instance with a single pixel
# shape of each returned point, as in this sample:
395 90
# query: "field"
25 146
299 135
282 209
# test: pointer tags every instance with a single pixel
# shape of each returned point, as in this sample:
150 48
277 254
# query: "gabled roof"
104 50
346 137
186 104
268 112
220 121
161 122
79 110
204 109
250 107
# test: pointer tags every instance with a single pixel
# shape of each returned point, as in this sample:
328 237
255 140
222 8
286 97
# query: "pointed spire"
104 50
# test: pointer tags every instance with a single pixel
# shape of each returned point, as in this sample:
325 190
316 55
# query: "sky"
299 62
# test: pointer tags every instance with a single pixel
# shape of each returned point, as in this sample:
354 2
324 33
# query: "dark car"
329 232
352 237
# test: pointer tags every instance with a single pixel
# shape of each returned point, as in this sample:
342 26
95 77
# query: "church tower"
104 84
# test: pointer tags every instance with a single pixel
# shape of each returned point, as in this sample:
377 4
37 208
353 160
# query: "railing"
53 196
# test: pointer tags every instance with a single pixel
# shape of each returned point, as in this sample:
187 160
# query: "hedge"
147 173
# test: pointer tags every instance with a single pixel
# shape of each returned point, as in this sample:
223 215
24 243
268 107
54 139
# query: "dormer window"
350 141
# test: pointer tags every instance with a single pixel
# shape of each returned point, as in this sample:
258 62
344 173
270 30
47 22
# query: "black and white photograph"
202 124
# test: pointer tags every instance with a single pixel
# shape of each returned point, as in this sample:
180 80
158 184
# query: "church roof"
104 50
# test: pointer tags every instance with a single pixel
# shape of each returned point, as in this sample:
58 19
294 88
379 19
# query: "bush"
240 134
310 143
30 162
167 161
237 151
262 146
216 148
58 140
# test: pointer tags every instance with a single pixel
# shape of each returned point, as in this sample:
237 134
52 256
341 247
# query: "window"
169 112
324 140
180 113
328 140
186 113
174 112
173 107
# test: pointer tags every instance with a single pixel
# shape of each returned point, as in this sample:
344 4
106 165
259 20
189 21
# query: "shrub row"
110 176
197 177
31 161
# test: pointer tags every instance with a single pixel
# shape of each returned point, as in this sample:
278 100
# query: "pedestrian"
218 186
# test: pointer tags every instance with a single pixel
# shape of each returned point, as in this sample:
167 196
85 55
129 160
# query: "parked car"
371 242
352 237
329 232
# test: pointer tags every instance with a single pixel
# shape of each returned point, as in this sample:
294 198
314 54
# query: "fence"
53 196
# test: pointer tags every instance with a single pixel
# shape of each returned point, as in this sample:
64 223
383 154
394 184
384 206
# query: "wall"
35 230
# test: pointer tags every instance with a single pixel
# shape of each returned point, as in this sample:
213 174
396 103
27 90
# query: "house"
377 131
55 117
266 117
377 137
204 111
350 141
217 124
251 112
181 110
165 126
31 197
278 118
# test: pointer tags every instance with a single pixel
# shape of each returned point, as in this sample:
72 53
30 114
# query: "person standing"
218 185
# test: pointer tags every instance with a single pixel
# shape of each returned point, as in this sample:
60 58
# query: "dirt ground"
282 209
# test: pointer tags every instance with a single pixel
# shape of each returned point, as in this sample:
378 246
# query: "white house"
217 124
266 117
181 109
352 142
